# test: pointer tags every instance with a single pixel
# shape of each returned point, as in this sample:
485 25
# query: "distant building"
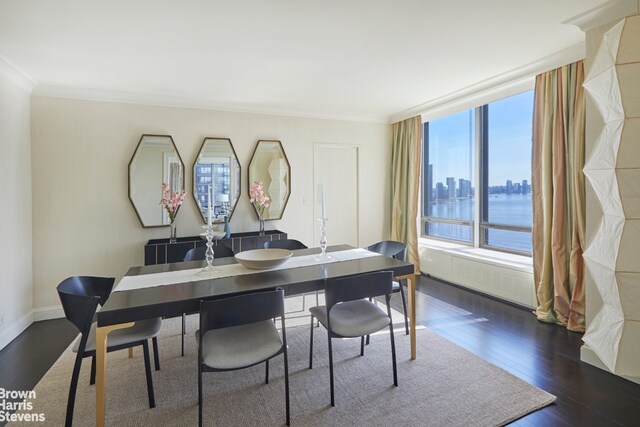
430 182
525 187
509 186
451 188
464 188
441 192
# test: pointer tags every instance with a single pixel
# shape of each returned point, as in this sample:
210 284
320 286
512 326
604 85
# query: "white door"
335 167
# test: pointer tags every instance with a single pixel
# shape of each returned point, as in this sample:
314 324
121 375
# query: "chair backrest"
357 287
390 248
199 253
241 310
80 296
290 244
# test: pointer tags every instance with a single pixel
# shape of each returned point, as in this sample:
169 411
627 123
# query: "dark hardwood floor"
547 356
508 336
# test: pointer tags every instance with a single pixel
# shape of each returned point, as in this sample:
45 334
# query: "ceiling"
349 59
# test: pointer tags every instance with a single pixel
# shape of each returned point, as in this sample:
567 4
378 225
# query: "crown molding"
604 13
10 70
54 90
490 89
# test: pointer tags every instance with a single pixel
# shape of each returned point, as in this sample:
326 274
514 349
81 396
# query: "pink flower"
258 198
171 201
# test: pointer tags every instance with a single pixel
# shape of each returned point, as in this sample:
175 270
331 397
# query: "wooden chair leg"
393 345
147 368
184 331
317 304
404 308
156 354
286 383
73 388
199 393
92 379
266 375
331 369
311 345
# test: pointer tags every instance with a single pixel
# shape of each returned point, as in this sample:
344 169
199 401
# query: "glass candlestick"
209 255
323 240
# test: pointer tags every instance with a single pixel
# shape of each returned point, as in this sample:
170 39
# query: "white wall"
15 212
83 220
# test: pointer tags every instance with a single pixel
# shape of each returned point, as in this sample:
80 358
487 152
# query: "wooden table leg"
101 367
130 352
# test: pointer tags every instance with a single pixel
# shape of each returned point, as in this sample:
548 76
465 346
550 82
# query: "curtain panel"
559 196
406 156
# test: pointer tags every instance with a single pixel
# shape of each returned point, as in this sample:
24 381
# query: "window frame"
480 224
429 219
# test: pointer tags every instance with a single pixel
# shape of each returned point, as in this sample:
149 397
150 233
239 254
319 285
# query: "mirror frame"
129 177
193 178
250 178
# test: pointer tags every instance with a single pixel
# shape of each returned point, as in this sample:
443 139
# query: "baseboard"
47 313
35 315
589 356
11 332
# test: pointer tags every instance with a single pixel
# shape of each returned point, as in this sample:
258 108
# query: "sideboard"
160 251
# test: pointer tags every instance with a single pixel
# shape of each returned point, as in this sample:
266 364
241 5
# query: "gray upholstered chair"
199 254
395 250
291 244
349 314
80 297
239 332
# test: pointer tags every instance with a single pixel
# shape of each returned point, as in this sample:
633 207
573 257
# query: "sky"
510 120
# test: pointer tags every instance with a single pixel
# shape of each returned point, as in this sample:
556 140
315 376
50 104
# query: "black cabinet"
160 251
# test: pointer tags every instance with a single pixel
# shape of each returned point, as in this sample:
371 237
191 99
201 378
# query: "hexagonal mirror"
269 165
216 168
156 161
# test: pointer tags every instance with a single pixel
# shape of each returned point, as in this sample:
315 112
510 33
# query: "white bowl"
217 235
263 259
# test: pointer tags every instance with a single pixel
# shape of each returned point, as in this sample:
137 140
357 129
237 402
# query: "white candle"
324 214
209 205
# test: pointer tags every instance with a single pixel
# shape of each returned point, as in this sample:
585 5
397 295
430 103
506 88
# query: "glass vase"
261 219
173 236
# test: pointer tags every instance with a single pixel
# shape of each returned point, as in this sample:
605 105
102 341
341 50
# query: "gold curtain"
558 196
406 155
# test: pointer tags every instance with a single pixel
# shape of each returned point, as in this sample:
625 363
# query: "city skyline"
451 142
460 188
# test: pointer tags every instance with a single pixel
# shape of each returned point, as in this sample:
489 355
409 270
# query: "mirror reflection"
216 167
270 165
155 161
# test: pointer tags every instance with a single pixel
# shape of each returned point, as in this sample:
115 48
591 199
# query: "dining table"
171 290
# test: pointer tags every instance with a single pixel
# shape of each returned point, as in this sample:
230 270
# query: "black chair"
395 250
199 254
290 244
239 332
80 296
348 313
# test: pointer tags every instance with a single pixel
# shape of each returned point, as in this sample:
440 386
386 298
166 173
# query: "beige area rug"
446 385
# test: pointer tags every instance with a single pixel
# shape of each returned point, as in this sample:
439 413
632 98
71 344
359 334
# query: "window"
448 201
502 132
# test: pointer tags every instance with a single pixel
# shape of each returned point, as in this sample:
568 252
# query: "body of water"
510 209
